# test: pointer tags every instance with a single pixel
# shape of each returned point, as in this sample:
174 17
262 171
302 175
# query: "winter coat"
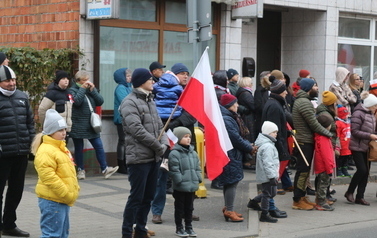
358 100
81 127
17 125
261 95
167 92
58 99
323 109
233 87
363 124
57 179
142 126
245 98
233 171
184 169
304 119
341 89
343 130
121 91
324 157
267 159
220 91
274 111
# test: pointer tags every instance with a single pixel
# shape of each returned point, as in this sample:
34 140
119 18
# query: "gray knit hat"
6 73
53 122
180 132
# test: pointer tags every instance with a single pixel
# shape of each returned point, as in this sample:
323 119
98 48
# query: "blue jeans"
98 147
54 219
159 200
286 181
143 181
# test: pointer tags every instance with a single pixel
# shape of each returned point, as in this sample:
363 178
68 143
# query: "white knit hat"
269 127
370 101
53 122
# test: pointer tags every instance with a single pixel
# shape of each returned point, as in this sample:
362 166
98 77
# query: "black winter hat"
156 65
140 76
2 57
231 72
60 74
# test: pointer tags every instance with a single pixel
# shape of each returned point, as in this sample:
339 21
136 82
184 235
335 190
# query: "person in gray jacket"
145 144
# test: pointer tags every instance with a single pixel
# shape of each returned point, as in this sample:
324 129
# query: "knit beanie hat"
227 100
306 84
6 73
277 87
328 98
325 120
342 112
178 68
231 72
60 74
277 73
2 57
53 122
269 127
304 73
180 132
370 101
140 76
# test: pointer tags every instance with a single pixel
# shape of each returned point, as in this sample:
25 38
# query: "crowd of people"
262 125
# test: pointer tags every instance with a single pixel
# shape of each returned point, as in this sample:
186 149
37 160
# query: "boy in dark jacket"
186 175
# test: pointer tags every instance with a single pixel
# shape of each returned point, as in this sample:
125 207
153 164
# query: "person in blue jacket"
122 77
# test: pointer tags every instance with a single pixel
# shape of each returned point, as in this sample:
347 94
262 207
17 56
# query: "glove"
273 182
161 150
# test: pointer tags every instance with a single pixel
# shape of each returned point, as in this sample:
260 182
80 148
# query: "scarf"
6 92
244 131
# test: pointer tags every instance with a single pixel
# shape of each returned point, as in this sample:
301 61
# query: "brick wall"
40 23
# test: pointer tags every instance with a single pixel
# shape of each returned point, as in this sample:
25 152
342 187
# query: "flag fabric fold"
199 99
172 138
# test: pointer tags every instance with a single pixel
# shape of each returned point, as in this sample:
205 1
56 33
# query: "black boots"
265 217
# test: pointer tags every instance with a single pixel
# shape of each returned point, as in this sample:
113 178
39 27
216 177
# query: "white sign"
102 9
247 9
107 57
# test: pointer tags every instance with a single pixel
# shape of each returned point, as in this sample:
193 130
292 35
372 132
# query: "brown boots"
232 216
238 214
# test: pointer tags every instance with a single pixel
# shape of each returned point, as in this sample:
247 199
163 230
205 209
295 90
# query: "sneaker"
302 205
280 191
181 232
195 218
110 171
254 205
339 172
164 165
330 198
191 232
324 207
345 172
81 174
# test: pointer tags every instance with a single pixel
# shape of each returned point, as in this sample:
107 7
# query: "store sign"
247 9
102 9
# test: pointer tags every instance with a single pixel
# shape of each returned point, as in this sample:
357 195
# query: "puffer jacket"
323 109
267 159
324 157
57 179
184 168
17 125
341 89
363 124
167 92
81 127
58 99
304 120
121 91
233 171
142 126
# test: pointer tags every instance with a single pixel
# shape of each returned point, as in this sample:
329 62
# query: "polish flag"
199 99
172 138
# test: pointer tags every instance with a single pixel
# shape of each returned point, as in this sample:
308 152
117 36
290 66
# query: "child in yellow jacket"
57 188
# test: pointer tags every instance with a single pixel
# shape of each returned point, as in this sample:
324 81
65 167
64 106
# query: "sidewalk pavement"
98 211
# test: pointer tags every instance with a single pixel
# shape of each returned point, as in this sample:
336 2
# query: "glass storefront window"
177 49
354 28
356 58
124 48
176 12
138 10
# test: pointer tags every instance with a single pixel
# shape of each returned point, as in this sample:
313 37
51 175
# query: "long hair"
37 141
351 82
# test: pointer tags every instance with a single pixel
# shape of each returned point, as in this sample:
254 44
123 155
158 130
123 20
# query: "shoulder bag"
95 120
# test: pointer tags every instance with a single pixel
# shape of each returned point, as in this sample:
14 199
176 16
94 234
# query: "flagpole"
167 122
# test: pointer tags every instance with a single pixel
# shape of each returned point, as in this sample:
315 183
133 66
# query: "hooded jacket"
267 159
121 91
324 158
341 89
57 179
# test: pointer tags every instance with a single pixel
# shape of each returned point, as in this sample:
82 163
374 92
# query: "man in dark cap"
157 70
233 77
144 148
3 59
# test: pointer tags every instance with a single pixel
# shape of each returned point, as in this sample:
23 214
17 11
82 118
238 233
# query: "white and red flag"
172 138
199 99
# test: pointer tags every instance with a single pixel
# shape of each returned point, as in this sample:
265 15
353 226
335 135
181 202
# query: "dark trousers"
302 171
143 181
121 153
268 193
183 208
12 169
360 178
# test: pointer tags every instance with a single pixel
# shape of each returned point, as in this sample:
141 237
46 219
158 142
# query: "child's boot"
345 172
339 172
190 231
265 217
